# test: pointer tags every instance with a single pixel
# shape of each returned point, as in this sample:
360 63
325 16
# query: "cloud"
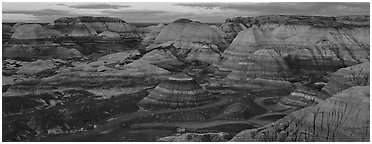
43 12
298 8
99 6
135 12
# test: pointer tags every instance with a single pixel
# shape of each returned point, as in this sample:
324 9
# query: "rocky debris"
34 31
197 137
88 26
74 111
109 35
357 75
264 69
343 117
151 32
179 91
191 40
303 97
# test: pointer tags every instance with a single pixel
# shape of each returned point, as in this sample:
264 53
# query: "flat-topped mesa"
34 31
264 69
89 26
357 75
179 91
233 26
198 41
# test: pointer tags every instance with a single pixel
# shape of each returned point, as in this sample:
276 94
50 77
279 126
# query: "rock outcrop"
309 44
31 68
162 58
357 75
343 117
40 50
109 35
151 32
239 50
88 26
34 31
233 26
110 75
192 40
264 69
179 91
197 137
303 97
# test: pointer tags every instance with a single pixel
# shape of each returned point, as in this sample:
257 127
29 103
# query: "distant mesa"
34 31
41 50
179 91
183 20
90 26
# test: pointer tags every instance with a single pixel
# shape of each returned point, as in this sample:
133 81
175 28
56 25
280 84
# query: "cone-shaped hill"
179 91
245 44
263 69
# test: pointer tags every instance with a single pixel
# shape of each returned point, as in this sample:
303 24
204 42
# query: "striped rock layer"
191 39
303 97
306 43
357 75
179 91
40 49
95 76
151 32
233 26
34 31
263 69
341 118
88 26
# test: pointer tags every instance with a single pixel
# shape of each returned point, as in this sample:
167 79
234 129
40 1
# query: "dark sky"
155 12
